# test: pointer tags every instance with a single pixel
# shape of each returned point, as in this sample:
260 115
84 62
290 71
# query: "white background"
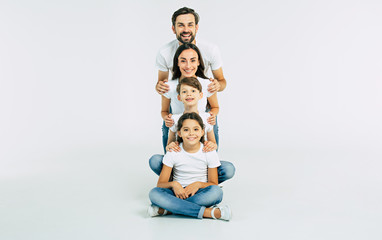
300 118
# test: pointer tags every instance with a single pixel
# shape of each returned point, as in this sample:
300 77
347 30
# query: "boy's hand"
179 190
174 146
212 118
209 146
169 121
192 189
214 86
162 87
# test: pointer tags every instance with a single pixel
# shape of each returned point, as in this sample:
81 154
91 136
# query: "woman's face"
188 63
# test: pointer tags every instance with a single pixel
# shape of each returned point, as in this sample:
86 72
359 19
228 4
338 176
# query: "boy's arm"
210 144
172 145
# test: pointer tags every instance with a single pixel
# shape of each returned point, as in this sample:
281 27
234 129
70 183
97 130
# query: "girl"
194 187
187 62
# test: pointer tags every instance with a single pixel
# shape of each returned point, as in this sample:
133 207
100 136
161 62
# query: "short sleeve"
168 159
212 159
216 60
161 63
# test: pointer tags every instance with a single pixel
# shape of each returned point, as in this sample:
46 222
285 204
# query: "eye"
183 91
193 91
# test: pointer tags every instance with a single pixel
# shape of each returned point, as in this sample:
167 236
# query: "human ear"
201 95
179 97
173 29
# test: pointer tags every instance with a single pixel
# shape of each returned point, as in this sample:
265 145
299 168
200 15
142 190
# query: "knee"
216 194
155 195
227 169
155 161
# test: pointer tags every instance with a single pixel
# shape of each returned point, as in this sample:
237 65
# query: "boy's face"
189 95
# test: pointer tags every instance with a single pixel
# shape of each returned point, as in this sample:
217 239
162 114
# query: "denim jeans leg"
225 171
166 199
216 132
156 164
207 196
164 136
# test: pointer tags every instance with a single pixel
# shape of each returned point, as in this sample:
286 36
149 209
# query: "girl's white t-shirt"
177 106
191 167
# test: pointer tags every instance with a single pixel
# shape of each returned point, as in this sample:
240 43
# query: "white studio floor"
102 193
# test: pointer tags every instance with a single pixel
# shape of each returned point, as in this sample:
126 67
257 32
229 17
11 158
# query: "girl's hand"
209 146
212 118
174 146
192 189
179 191
169 121
214 86
162 87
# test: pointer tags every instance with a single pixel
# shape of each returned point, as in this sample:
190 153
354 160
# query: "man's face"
185 28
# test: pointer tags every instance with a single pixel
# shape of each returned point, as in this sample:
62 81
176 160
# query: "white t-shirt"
191 167
210 54
177 106
204 115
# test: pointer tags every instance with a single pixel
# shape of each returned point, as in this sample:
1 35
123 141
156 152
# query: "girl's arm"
163 182
165 111
212 180
213 101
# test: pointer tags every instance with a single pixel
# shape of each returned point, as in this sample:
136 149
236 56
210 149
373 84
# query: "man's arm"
218 83
161 87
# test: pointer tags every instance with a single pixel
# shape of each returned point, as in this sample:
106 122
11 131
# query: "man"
185 26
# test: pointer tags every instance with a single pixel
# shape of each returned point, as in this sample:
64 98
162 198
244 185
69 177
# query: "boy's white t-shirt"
204 115
210 55
177 106
191 167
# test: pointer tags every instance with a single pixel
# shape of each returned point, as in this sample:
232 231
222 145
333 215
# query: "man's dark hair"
184 10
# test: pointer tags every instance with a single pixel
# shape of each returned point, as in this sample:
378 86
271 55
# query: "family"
190 171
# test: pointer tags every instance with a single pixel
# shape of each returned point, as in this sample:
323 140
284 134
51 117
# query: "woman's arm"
165 112
163 182
213 101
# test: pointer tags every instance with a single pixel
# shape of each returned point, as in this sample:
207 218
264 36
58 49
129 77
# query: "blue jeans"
193 206
225 171
165 134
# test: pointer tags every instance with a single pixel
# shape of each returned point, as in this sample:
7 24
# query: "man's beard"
192 37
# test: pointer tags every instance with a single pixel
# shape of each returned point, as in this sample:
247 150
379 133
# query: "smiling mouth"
189 99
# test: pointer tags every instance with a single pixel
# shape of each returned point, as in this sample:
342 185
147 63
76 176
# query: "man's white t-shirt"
177 106
191 167
210 55
204 115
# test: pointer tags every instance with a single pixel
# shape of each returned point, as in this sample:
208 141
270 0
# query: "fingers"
214 86
162 87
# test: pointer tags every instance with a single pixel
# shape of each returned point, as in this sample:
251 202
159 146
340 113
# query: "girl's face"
191 132
188 63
